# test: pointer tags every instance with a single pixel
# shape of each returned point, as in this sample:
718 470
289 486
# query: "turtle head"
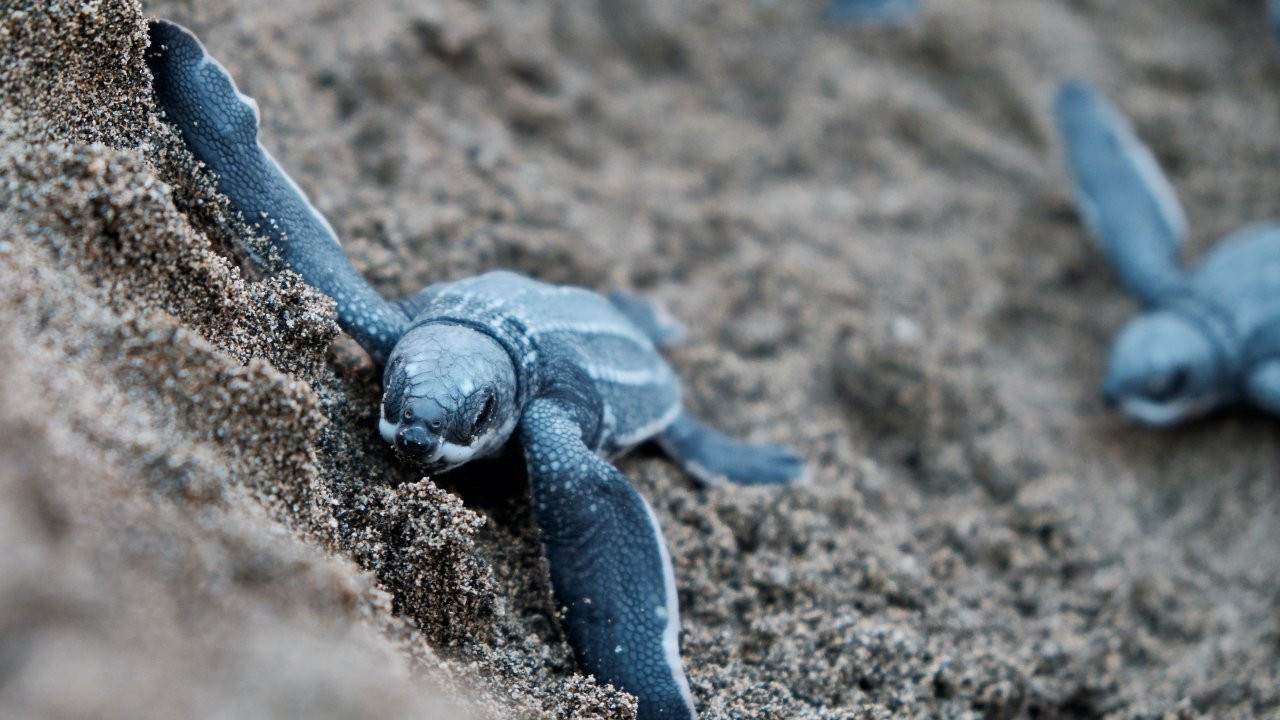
449 395
1163 369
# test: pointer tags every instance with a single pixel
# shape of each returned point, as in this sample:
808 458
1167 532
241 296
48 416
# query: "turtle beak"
415 440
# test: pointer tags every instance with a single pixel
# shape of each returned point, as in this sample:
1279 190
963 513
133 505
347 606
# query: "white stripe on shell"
1162 414
650 429
617 330
647 376
622 328
549 289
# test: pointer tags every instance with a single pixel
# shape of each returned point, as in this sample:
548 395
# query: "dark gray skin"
1208 337
471 364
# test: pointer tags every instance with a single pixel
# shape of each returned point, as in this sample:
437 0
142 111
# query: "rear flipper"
714 458
1124 198
1262 385
651 317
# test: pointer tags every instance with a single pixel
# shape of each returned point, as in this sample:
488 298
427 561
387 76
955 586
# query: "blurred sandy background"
868 233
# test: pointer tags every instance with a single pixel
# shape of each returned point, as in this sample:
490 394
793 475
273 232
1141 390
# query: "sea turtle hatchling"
573 376
1208 337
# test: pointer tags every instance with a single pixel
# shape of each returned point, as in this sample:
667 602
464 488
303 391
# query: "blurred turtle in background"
1208 336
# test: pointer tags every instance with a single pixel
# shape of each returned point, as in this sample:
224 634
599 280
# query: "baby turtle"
573 376
1208 337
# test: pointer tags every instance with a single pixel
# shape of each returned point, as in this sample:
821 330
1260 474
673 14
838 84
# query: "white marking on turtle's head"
386 428
1162 414
453 455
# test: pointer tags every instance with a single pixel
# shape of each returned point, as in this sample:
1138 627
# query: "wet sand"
870 237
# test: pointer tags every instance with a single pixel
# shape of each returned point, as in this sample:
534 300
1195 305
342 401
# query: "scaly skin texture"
608 563
220 126
470 362
1208 338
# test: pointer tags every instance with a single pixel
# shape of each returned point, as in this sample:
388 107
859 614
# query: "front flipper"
609 565
713 457
1124 198
1262 385
220 128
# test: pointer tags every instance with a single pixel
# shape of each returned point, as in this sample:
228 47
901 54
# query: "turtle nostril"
417 441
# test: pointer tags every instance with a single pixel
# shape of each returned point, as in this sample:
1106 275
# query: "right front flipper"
1124 198
609 565
220 128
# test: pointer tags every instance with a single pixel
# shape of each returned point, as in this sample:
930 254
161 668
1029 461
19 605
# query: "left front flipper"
608 562
1262 385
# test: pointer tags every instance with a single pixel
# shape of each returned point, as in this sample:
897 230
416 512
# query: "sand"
870 236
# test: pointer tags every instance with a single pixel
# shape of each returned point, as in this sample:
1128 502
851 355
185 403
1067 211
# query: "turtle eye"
1168 386
486 413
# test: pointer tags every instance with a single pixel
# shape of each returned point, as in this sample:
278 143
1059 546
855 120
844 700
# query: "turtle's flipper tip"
172 46
773 465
